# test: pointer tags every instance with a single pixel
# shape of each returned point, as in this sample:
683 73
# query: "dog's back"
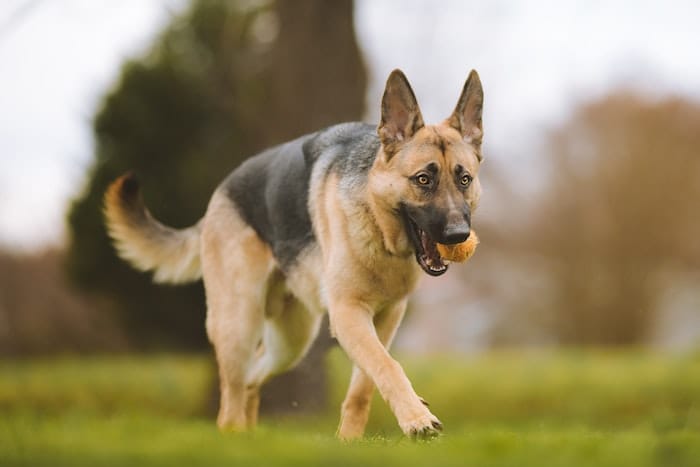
271 190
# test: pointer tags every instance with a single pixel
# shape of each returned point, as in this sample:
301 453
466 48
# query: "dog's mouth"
427 254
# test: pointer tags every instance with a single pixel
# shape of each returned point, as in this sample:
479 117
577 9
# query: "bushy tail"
172 254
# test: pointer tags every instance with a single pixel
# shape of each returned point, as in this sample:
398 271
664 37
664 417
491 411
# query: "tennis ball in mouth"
459 252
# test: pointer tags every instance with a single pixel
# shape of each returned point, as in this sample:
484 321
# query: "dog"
344 220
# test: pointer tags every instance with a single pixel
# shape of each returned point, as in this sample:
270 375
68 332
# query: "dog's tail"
172 254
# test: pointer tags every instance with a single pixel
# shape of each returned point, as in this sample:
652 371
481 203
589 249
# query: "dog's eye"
423 179
466 180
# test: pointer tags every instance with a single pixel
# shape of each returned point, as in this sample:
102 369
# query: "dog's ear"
401 117
466 117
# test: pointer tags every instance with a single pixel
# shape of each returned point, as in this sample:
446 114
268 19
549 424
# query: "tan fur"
257 327
172 255
389 177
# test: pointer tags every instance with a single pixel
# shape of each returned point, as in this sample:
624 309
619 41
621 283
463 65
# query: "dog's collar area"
427 254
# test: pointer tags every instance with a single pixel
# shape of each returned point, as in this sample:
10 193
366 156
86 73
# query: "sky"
537 60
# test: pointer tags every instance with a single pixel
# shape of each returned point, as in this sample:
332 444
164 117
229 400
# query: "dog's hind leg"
355 409
236 266
289 330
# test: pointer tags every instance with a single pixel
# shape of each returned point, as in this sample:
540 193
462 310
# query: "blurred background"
589 219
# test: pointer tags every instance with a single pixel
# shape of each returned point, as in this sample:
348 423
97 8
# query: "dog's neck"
385 213
394 237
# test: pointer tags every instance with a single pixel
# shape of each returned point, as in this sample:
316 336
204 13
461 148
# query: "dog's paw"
423 427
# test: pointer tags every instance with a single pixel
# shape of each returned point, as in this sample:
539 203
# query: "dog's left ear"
401 116
466 117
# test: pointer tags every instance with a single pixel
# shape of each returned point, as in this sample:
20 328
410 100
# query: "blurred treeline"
606 252
603 253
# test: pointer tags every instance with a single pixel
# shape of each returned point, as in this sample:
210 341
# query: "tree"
224 80
618 220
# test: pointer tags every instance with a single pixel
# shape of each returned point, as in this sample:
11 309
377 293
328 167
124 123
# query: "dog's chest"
391 278
378 279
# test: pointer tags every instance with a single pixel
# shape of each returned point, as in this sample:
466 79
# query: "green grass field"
499 409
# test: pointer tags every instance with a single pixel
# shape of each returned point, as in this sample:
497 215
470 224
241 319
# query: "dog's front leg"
353 325
355 410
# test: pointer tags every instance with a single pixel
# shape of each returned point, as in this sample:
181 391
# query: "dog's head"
428 174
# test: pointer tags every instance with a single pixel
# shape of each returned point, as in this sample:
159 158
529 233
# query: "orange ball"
459 252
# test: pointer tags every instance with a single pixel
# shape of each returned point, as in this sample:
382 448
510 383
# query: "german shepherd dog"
343 220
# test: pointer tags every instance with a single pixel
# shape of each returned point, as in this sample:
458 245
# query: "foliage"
207 95
167 122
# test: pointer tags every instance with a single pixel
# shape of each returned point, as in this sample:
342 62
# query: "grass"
499 409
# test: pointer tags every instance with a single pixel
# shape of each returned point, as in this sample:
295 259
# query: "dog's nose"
455 234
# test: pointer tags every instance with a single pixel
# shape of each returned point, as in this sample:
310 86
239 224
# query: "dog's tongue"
432 257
